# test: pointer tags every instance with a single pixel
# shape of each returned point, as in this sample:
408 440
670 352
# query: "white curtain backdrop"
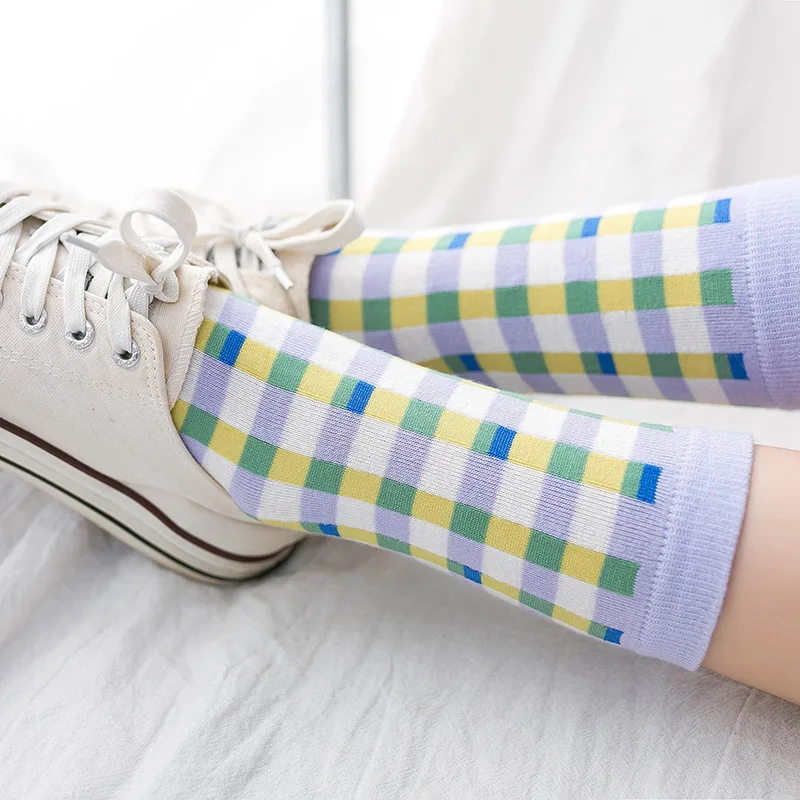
353 673
527 107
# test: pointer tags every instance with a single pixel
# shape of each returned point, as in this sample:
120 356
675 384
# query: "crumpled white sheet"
356 673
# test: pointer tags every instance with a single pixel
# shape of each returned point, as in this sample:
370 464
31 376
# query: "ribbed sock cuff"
693 560
772 239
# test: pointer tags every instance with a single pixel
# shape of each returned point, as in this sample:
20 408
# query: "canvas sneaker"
270 261
97 327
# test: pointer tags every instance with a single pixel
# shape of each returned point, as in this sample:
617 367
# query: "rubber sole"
125 514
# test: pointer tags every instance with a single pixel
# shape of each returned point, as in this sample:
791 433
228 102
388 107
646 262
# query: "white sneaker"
97 327
271 262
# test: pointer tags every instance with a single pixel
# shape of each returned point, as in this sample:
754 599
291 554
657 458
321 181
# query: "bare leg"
757 637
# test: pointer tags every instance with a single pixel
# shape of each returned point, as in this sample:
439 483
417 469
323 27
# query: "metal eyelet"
33 325
81 339
130 358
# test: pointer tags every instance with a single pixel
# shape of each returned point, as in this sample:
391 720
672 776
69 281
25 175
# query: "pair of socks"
623 531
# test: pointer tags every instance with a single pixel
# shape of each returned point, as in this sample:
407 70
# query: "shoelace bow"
231 247
114 262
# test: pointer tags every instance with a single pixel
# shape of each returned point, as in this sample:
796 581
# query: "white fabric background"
355 673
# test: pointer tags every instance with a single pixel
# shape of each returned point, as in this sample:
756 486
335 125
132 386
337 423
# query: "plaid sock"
620 530
697 299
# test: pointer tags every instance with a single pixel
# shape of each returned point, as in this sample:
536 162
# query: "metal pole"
338 14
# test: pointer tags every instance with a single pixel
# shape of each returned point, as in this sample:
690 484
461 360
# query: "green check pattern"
538 504
648 302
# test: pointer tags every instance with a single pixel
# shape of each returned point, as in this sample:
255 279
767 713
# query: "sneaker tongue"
264 288
177 324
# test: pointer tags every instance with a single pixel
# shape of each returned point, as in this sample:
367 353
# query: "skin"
757 637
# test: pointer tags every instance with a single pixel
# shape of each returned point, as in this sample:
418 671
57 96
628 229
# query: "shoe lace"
111 261
231 246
